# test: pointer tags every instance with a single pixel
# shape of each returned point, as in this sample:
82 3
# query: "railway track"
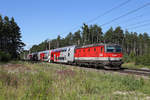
140 72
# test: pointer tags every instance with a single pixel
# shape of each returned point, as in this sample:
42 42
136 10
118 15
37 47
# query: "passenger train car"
33 56
63 55
100 55
44 55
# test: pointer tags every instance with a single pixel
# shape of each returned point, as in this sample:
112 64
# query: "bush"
143 60
129 58
132 57
126 58
4 57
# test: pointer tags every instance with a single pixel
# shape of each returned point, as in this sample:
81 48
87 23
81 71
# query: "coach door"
70 54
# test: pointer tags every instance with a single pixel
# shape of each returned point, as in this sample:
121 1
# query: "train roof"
94 45
74 46
63 48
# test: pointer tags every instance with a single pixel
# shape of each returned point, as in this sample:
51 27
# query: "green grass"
133 65
2 63
43 81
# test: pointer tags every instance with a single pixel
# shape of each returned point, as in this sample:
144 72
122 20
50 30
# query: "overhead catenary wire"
101 15
126 14
108 11
140 22
145 28
133 18
130 19
143 25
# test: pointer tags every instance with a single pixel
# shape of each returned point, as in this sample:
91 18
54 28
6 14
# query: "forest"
10 39
136 46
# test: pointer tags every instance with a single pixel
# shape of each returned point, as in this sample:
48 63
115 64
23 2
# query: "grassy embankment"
22 80
133 65
132 61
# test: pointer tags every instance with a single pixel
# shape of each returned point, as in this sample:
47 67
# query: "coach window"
94 49
83 50
89 50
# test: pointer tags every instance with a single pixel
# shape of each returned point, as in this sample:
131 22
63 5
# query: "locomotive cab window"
116 49
110 49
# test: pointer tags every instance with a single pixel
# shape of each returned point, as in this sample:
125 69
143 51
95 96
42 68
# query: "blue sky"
45 19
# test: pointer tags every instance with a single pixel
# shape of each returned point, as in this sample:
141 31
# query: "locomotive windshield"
115 49
118 49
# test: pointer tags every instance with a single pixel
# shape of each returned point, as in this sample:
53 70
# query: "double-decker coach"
63 55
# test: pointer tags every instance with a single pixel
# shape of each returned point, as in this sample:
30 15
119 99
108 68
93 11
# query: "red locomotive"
107 55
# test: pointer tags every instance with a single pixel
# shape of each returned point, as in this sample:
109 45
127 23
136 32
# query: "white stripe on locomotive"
98 58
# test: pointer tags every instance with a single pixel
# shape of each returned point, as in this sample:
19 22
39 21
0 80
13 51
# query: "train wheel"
111 67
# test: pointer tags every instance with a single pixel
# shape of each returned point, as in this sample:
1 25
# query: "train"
108 56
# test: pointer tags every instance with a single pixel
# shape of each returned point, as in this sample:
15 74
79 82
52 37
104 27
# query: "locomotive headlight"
114 55
101 55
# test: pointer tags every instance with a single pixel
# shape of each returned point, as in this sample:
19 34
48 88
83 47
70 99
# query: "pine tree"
77 37
108 37
1 33
85 34
10 37
95 34
118 35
